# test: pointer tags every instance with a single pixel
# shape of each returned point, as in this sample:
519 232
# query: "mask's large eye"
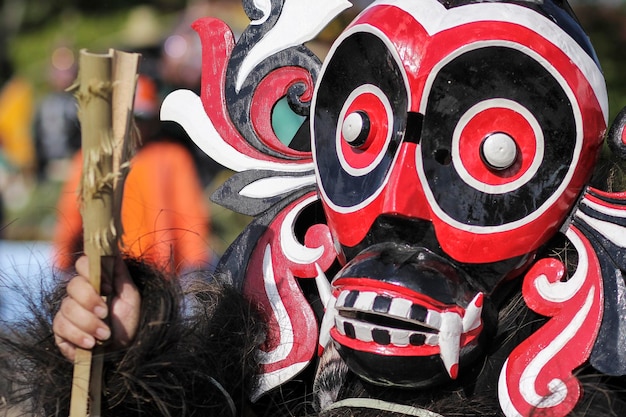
359 119
499 139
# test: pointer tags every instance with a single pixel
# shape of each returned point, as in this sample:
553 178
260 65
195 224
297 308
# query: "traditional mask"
464 131
443 146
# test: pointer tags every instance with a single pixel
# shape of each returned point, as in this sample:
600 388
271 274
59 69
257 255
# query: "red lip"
386 319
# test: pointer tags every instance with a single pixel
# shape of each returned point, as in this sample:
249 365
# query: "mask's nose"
404 194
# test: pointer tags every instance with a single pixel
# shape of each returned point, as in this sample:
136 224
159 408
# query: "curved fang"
328 300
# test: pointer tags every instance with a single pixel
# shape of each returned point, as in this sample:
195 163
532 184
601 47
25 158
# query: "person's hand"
80 320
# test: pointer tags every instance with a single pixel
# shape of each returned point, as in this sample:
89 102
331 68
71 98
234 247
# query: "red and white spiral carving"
537 379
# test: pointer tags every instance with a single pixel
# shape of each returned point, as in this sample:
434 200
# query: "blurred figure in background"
6 72
180 67
165 216
56 128
16 145
173 59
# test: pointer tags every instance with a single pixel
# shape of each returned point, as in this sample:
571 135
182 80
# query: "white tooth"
433 319
323 286
450 341
472 320
326 297
339 324
432 340
400 307
363 332
327 323
341 300
365 301
400 337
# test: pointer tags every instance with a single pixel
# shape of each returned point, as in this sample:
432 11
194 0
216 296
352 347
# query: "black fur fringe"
194 354
197 340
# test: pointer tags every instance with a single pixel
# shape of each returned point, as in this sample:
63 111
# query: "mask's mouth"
391 321
402 302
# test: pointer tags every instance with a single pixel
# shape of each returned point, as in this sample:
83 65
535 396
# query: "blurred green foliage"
606 27
31 49
34 13
99 25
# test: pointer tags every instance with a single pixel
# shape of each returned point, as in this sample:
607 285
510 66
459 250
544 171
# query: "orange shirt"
165 217
16 105
68 233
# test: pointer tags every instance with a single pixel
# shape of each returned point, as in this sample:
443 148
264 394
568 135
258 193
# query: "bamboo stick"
105 97
125 136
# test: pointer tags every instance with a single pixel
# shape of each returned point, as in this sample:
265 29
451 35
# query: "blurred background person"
56 129
180 67
16 145
165 216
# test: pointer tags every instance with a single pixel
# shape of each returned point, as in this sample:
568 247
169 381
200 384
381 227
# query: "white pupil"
352 127
499 150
